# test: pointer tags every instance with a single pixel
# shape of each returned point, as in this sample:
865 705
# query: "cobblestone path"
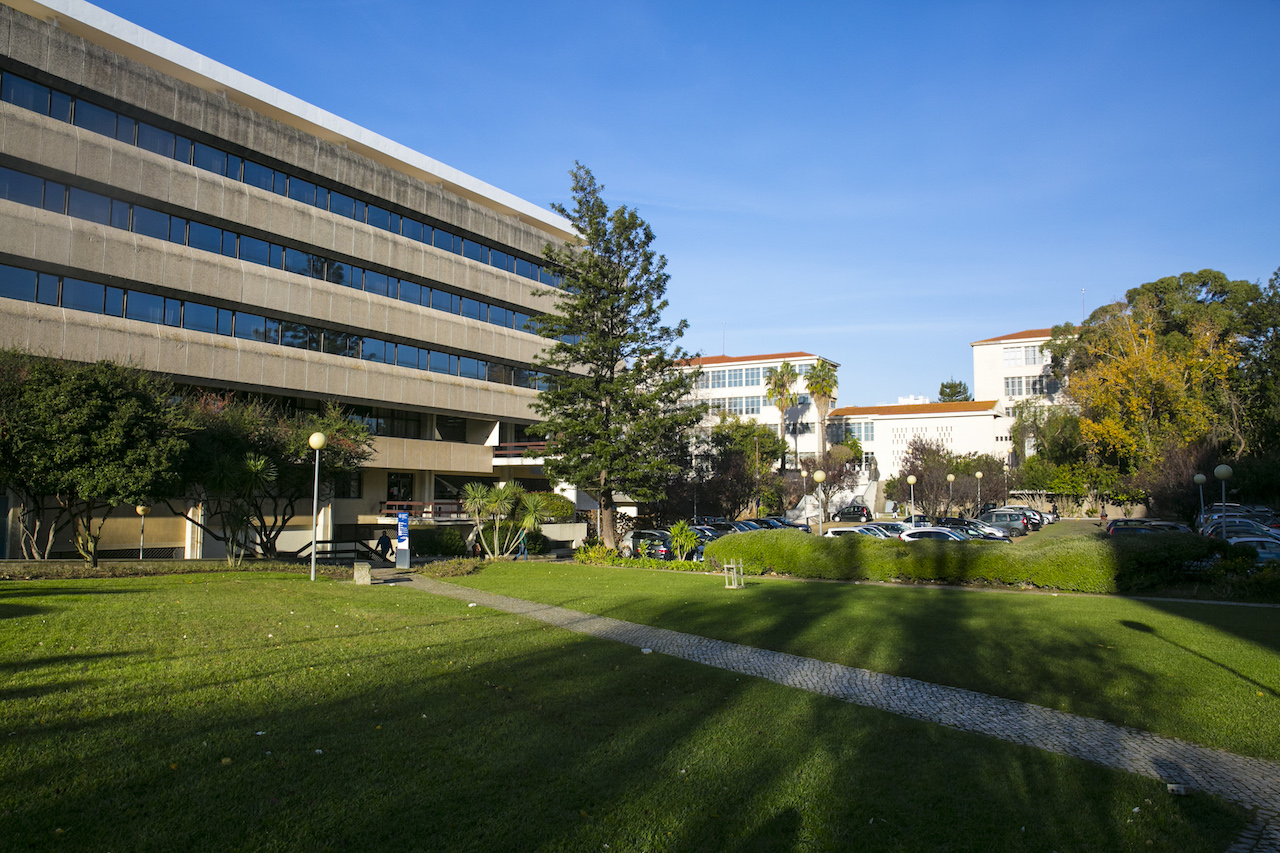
1251 782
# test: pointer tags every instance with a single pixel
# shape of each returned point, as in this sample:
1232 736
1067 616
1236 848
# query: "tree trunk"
608 514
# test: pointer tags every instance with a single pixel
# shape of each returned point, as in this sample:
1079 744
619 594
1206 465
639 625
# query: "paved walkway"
1251 782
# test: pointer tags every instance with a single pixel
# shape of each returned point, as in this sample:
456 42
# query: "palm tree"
822 383
495 504
779 390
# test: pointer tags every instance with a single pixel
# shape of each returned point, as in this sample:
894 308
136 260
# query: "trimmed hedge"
1096 563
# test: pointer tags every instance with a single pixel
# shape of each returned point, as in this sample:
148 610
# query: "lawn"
266 712
1207 673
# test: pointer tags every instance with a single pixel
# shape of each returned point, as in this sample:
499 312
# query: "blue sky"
878 183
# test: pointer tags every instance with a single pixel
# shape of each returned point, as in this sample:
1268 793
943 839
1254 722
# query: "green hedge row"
1082 564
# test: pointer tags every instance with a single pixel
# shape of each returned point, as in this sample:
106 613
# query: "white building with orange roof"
1014 368
736 384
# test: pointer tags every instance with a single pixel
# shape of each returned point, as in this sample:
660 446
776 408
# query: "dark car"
853 512
785 523
649 543
1013 521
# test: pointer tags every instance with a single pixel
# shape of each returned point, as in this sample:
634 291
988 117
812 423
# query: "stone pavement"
1251 782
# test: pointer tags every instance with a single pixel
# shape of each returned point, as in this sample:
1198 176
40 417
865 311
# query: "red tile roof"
1017 336
918 409
708 360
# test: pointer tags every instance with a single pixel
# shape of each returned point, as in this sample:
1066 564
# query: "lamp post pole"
951 478
977 475
317 441
1223 473
143 512
1200 480
804 497
818 477
911 481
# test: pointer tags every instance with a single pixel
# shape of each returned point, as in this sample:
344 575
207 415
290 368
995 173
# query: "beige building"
160 209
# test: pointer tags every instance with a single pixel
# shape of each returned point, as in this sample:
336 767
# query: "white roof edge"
101 27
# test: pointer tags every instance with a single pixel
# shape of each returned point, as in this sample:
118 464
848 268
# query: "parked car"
917 520
1014 521
893 528
1236 527
874 532
768 523
1116 523
1168 526
852 512
1268 549
974 529
651 543
797 525
918 534
1034 520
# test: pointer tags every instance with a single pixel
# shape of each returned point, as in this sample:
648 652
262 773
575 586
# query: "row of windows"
76 294
735 405
741 377
864 432
1022 356
94 207
50 102
1021 386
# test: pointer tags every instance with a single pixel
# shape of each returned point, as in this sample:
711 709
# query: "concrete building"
160 209
736 384
1013 368
885 431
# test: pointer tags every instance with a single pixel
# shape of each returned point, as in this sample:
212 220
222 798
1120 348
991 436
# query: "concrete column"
193 545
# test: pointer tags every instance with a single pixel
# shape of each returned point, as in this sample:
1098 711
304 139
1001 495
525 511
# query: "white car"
918 534
1268 549
873 532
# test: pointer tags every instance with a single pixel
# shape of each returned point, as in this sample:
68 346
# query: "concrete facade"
1013 368
83 53
885 431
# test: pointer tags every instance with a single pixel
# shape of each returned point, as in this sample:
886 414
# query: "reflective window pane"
17 283
125 129
119 214
55 197
410 292
146 307
210 159
303 191
94 118
150 223
375 282
412 229
336 272
182 149
204 237
441 362
83 204
200 318
60 106
47 289
82 295
23 189
342 205
473 250
255 251
177 230
258 175
115 302
378 217
156 140
250 327
24 93
470 308
172 312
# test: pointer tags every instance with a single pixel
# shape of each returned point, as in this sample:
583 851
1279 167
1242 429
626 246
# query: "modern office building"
736 384
162 210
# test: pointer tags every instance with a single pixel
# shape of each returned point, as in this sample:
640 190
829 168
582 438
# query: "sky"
877 183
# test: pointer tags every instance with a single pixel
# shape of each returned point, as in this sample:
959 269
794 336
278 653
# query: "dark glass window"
210 159
522 378
182 149
303 191
545 276
200 318
234 165
322 198
372 349
501 260
375 282
172 312
255 174
270 331
299 336
24 93
94 118
250 327
277 256
125 129
378 217
47 289
150 223
335 272
406 356
83 204
524 268
499 316
226 319
302 263
155 139
341 343
412 229
499 373
204 237
473 250
229 243
470 308
520 321
394 225
360 211
442 362
119 215
115 302
146 307
343 205
451 429
16 283
60 106
469 367
82 295
177 230
255 251
24 189
55 197
410 292
442 301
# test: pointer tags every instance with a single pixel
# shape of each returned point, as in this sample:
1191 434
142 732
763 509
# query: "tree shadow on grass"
464 729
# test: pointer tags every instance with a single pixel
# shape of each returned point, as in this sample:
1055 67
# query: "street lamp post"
143 512
804 494
317 441
819 477
911 481
1006 483
951 478
1223 473
977 475
1200 480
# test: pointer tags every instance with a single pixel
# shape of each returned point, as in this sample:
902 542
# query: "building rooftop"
1017 336
100 27
967 407
711 360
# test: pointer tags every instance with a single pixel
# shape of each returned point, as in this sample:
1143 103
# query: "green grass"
1207 673
265 712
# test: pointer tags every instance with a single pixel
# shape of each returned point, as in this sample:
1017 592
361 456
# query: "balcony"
438 511
516 450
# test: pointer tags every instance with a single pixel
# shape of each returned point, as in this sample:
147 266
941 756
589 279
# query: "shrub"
599 555
558 508
454 568
436 542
